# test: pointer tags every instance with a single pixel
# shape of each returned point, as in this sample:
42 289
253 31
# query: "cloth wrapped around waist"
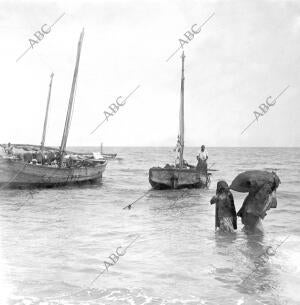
224 208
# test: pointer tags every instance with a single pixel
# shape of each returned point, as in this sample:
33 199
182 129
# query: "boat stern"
174 178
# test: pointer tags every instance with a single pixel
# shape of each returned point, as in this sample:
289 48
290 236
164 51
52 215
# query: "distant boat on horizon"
181 175
107 156
33 165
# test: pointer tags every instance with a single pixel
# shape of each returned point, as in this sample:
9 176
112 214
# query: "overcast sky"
249 50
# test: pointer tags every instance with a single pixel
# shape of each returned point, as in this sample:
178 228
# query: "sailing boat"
180 175
46 166
107 156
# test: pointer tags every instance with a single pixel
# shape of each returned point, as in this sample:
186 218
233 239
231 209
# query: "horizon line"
158 146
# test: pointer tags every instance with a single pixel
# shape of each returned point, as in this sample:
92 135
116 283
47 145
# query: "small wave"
107 296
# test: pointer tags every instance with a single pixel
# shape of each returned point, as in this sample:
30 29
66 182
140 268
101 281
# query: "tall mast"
71 99
181 112
46 115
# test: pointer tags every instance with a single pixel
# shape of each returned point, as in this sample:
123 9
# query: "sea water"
55 243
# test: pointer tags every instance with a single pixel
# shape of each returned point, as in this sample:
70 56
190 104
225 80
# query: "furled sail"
181 113
46 115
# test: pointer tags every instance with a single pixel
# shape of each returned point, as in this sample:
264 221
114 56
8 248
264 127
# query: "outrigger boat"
33 165
181 175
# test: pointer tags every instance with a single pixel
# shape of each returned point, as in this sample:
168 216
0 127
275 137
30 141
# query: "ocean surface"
55 243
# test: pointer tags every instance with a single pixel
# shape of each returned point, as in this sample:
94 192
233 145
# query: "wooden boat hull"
174 178
15 173
109 156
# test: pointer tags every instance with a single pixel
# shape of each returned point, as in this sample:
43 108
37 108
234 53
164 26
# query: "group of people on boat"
36 157
42 157
261 198
48 157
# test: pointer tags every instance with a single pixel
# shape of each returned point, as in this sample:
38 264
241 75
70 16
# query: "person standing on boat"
225 215
202 159
203 154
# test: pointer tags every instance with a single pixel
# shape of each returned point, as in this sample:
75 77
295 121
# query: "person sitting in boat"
225 217
9 149
45 159
54 163
69 161
185 164
39 157
202 160
255 205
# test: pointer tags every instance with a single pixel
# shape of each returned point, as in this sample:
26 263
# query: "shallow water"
53 242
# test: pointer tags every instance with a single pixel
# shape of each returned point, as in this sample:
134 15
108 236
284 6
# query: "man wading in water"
255 205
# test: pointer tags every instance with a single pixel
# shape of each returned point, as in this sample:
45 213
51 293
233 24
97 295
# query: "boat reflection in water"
180 175
32 165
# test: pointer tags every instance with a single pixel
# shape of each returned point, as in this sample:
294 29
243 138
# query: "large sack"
27 157
251 181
